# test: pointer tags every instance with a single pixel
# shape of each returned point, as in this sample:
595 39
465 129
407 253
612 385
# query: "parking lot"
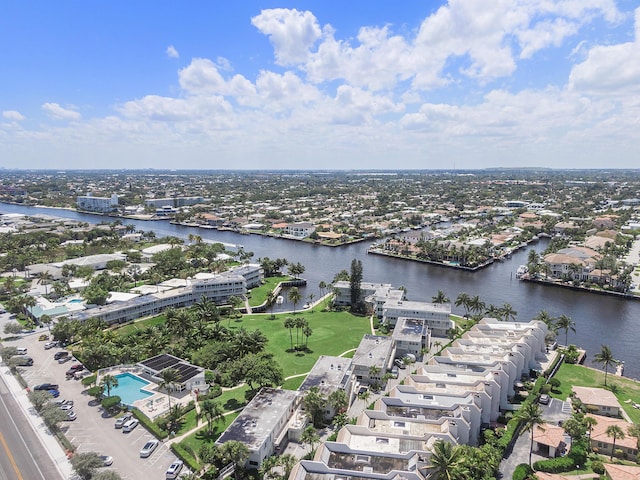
92 430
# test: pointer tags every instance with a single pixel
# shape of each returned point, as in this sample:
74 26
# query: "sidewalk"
49 442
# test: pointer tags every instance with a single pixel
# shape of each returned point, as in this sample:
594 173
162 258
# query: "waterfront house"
599 400
603 443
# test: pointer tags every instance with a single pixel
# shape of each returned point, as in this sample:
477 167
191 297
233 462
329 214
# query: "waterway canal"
599 319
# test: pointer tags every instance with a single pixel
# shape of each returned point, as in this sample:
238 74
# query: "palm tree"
476 305
463 300
207 310
590 422
213 412
170 376
440 297
322 286
493 312
290 323
531 418
311 296
44 279
294 296
634 431
271 299
605 357
508 312
446 462
109 382
615 432
565 323
546 318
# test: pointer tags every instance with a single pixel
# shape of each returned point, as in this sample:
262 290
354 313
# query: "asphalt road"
22 456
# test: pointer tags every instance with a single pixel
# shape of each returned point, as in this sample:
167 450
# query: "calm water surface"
599 319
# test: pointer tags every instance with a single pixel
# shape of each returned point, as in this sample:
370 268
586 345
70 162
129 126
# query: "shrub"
555 465
554 382
185 456
522 472
111 402
598 467
578 452
149 425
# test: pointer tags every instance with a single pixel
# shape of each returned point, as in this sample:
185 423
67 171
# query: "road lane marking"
10 455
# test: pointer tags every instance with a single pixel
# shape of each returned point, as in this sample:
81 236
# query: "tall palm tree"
605 357
311 296
446 462
212 412
508 313
633 430
109 382
322 286
462 300
170 376
546 318
271 299
294 297
531 418
615 432
565 323
290 323
476 305
440 297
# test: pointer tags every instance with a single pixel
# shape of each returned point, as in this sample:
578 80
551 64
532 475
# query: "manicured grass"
140 325
258 295
293 383
233 399
623 388
188 422
194 441
333 334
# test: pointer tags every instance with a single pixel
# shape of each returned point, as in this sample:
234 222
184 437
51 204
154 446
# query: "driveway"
556 411
93 430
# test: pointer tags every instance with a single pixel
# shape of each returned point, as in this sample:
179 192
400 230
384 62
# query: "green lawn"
623 388
233 399
202 436
333 334
257 296
140 325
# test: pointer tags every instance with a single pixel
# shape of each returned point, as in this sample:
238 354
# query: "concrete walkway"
49 442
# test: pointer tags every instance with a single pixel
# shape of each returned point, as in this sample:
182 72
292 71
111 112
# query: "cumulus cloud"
13 115
172 52
610 70
60 113
291 32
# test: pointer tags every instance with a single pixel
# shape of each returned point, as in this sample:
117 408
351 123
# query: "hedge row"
555 465
151 426
522 472
185 456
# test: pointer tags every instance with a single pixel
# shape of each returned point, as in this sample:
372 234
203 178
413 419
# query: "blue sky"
320 84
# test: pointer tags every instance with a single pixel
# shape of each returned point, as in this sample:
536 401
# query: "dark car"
54 393
74 368
59 355
46 386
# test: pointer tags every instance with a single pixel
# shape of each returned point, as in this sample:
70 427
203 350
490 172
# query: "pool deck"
158 403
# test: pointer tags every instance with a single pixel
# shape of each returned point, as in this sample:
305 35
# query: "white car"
71 415
130 425
148 448
106 459
174 470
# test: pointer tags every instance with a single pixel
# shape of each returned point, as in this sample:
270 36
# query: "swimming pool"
129 388
75 300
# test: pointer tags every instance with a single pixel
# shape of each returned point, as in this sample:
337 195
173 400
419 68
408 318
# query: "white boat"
522 269
279 300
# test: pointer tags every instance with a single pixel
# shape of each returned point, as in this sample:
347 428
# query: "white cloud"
172 52
60 113
610 70
291 32
13 115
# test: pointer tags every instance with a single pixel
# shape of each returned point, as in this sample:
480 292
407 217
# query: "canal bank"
599 319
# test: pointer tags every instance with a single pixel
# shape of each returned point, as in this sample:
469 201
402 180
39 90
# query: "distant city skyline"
315 85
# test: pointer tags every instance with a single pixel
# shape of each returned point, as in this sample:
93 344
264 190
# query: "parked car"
54 393
74 369
50 345
71 415
59 355
22 360
82 374
64 359
544 399
43 337
107 460
174 470
123 419
60 403
399 363
148 448
46 386
130 425
66 407
21 350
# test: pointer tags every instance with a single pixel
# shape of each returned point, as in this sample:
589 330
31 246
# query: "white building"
97 204
411 336
435 315
300 229
262 424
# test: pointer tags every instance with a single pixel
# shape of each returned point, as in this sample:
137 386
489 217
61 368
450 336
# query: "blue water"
75 300
128 388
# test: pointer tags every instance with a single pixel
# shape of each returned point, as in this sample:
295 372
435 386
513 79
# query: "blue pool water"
128 388
75 300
